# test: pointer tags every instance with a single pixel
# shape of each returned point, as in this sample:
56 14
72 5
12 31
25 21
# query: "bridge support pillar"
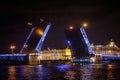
34 59
98 59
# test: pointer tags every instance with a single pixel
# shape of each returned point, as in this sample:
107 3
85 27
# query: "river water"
61 72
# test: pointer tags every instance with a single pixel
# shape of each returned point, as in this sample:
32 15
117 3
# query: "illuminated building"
66 54
60 54
110 49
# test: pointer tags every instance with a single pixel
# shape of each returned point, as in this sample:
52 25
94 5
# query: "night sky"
103 17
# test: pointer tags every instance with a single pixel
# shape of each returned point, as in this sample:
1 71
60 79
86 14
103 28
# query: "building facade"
110 49
60 54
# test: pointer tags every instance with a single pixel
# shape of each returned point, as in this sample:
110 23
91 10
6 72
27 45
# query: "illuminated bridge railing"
86 41
108 58
13 59
1 55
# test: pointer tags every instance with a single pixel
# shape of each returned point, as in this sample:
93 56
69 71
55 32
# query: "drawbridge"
79 43
35 44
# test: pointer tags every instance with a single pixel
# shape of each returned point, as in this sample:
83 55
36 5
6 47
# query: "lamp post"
12 47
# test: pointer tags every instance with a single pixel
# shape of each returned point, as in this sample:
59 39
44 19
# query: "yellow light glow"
30 24
39 31
67 51
71 27
111 44
12 47
84 25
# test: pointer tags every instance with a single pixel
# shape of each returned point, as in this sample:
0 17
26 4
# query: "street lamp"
71 27
12 47
30 24
84 25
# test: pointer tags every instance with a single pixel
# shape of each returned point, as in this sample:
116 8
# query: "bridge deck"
14 59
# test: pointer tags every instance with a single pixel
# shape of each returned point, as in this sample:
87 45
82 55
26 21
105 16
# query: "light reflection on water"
60 72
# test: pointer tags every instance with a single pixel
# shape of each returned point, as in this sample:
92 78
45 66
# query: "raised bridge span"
79 44
23 58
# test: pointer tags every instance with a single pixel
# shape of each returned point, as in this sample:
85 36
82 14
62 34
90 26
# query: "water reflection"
12 72
60 72
63 67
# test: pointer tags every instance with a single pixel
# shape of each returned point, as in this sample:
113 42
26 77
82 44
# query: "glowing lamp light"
84 25
39 31
12 47
30 24
111 44
71 27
